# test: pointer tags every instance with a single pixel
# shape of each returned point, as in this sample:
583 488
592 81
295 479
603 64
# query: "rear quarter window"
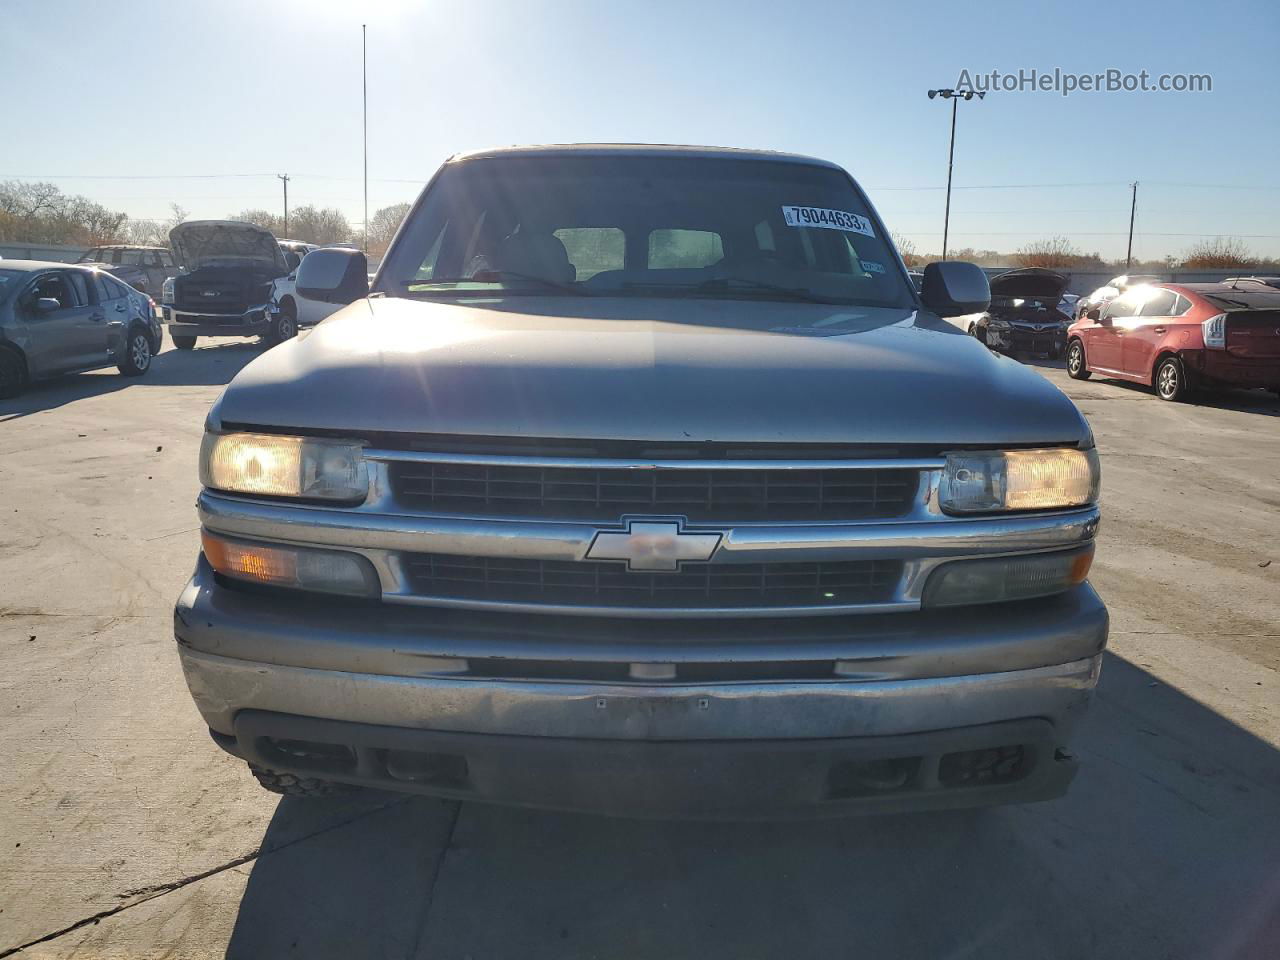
593 250
684 249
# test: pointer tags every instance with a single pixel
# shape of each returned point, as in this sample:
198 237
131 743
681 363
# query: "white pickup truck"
289 311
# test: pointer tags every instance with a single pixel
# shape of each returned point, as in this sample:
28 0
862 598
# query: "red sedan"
1180 336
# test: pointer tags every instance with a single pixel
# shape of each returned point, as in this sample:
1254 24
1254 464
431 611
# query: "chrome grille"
695 585
703 495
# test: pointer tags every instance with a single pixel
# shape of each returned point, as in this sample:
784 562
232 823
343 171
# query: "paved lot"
126 833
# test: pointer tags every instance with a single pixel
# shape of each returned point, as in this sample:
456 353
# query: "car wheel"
1076 368
137 353
1171 380
13 374
183 343
293 785
283 327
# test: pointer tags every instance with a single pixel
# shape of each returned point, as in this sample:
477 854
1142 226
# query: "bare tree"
1219 253
383 226
907 250
155 233
1054 252
263 218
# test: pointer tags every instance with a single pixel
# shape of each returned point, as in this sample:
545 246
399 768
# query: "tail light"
1215 332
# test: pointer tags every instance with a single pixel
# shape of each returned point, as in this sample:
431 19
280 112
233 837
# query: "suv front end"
573 553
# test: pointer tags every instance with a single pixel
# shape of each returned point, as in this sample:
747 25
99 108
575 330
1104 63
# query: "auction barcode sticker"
827 219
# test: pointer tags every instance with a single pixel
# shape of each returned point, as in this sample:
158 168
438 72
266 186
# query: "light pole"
955 96
284 179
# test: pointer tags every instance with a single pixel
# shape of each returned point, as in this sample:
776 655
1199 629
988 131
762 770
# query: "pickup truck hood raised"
198 243
597 368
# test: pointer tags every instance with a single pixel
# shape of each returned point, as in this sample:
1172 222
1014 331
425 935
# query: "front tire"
137 353
283 327
293 785
1076 368
1171 380
13 374
183 343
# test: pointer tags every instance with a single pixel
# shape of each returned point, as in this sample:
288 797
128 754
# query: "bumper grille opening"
310 754
704 495
437 769
973 768
866 777
705 585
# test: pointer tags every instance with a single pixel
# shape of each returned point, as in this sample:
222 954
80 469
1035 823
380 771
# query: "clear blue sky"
268 86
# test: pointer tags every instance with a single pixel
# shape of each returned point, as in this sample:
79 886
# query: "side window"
1181 307
764 237
593 250
79 288
118 288
427 269
1160 304
688 249
131 257
1126 306
101 287
52 285
166 260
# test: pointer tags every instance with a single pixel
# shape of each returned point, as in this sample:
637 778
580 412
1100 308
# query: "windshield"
646 227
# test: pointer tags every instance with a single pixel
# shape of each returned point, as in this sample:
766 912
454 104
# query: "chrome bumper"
213 324
776 710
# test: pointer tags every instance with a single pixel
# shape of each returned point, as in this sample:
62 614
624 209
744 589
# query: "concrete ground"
126 833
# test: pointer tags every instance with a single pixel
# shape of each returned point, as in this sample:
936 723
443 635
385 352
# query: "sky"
140 104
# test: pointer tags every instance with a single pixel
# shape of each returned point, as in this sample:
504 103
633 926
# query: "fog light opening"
855 778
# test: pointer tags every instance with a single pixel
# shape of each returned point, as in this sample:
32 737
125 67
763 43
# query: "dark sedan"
1025 314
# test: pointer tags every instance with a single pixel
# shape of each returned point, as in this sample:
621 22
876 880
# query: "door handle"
97 317
119 308
1161 330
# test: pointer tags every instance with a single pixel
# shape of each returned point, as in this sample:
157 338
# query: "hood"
558 368
1030 283
199 242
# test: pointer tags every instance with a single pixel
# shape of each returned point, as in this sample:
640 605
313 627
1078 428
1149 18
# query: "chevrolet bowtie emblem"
649 545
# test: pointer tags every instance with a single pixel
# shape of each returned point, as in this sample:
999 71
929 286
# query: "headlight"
998 579
283 466
166 291
992 481
298 568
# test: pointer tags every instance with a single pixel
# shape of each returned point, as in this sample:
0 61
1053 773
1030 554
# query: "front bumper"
511 696
249 323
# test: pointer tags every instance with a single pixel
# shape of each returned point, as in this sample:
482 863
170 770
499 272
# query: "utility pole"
955 96
1133 209
364 79
284 179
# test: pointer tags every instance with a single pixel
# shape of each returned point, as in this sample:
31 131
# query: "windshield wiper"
496 276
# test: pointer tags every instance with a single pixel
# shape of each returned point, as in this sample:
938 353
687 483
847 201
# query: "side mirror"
48 305
333 275
953 288
1093 313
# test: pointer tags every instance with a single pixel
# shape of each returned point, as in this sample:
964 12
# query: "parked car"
1177 337
1110 290
295 250
695 521
143 268
1024 315
226 289
61 318
1265 281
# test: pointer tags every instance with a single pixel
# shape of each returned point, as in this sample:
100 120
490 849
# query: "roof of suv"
639 150
127 246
